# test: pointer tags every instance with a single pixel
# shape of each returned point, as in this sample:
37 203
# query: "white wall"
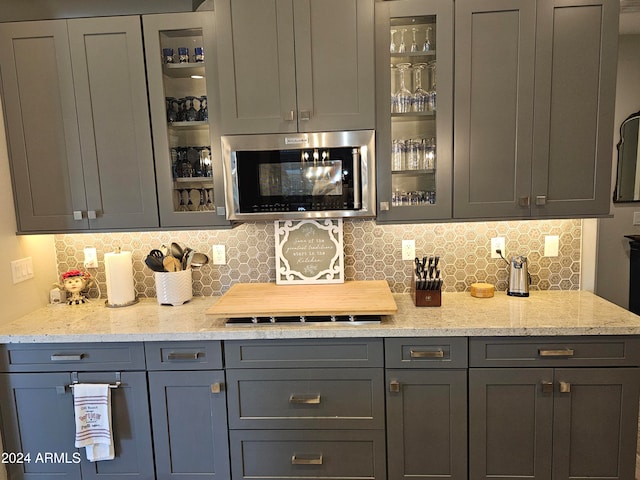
24 297
612 279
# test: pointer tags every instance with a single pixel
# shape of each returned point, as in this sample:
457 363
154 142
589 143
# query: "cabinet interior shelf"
412 115
180 125
196 180
183 70
413 173
430 53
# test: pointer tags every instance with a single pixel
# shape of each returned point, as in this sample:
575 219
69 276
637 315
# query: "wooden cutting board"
372 297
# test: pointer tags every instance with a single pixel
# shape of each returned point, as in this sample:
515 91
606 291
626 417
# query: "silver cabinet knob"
77 214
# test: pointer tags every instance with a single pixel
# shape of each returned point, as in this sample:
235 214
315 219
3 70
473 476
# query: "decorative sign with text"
309 251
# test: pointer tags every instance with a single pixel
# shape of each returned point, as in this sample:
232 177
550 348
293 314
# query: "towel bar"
74 380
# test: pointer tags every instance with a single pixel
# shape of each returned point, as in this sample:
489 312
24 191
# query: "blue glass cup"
183 55
167 55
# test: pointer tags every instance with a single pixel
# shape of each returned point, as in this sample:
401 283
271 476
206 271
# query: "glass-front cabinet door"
184 100
414 85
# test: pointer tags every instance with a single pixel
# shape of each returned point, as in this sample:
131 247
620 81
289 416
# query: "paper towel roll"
118 268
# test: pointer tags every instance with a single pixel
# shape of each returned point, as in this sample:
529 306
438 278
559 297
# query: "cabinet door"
189 425
510 423
113 116
576 54
42 126
37 419
495 54
414 142
257 66
187 151
427 424
595 423
131 428
334 46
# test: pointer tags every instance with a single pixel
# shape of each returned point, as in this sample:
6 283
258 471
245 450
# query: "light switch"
551 244
21 270
636 218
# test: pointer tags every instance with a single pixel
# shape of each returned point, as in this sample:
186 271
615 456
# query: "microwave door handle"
357 202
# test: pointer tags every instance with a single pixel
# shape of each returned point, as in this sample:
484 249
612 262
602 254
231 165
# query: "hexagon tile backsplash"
371 252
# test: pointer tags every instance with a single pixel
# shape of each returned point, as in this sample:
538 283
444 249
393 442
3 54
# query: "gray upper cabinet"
186 144
535 85
77 123
296 65
414 133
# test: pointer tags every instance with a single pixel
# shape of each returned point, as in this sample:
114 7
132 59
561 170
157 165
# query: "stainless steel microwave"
305 175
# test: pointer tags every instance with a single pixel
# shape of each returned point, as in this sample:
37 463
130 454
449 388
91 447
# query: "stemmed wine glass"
403 96
420 95
427 43
392 46
414 44
209 203
432 90
181 207
203 113
402 48
202 204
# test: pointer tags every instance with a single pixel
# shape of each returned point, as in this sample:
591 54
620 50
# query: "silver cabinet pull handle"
308 460
305 399
305 115
564 352
394 386
77 215
565 387
216 387
524 201
427 353
92 214
541 200
290 116
67 357
184 356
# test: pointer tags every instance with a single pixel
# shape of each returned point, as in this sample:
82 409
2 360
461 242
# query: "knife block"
425 298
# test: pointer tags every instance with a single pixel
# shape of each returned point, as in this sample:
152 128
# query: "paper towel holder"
132 302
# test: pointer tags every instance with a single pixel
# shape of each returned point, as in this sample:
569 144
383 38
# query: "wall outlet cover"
218 255
90 258
408 249
551 245
497 243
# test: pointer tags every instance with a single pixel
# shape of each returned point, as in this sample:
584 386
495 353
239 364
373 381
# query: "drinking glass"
414 43
199 55
191 114
420 95
392 46
432 89
412 158
183 55
402 48
172 112
397 154
427 43
403 96
167 55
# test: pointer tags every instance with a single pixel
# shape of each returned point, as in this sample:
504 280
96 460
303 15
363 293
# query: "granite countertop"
543 313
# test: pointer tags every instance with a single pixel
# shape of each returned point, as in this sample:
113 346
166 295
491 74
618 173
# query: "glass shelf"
184 70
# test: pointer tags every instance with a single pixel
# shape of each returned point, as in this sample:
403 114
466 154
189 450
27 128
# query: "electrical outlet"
218 255
408 249
636 218
90 258
497 243
551 245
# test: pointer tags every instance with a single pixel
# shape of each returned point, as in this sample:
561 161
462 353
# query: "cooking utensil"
171 264
199 259
155 264
157 254
176 251
187 258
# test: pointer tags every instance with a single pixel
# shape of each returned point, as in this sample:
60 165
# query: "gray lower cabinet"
565 422
534 100
306 409
281 71
426 408
77 124
38 419
188 410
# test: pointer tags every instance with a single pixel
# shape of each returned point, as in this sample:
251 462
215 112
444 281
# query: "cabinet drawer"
333 352
205 355
554 351
306 398
71 357
344 454
426 352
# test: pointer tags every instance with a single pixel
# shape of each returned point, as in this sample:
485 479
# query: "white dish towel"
92 407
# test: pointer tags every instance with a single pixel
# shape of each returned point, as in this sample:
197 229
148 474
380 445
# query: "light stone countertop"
543 313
